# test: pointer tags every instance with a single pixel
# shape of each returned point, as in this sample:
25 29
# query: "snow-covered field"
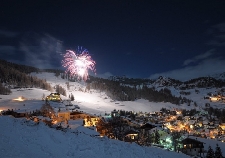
18 139
23 140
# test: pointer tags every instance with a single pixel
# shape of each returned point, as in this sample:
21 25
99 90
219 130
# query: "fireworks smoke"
78 63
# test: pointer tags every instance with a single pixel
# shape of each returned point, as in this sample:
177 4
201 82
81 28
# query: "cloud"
216 42
128 53
199 57
220 27
218 35
8 34
204 68
7 50
42 51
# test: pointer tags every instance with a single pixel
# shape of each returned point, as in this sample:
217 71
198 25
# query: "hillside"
116 88
94 102
166 91
95 97
24 139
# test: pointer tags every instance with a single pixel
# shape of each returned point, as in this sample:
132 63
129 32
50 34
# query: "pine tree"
175 138
157 137
72 97
218 153
210 153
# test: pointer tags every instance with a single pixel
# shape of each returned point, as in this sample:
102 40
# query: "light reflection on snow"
19 99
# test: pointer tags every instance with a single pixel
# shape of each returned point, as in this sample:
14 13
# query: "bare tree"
47 110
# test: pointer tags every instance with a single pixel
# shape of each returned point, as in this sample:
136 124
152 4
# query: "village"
168 129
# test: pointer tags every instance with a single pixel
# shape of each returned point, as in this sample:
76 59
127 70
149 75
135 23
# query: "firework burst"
78 63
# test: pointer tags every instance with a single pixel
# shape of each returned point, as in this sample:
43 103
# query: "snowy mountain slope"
99 101
196 89
21 139
96 102
220 76
93 102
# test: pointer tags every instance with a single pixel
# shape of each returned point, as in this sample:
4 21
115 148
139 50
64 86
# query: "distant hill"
220 76
17 76
119 88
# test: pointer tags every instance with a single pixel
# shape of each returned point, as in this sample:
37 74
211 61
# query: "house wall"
62 116
79 116
192 152
131 137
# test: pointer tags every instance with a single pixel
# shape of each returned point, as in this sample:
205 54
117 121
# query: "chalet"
186 118
222 126
131 136
212 126
130 122
103 127
91 121
192 147
77 115
115 113
20 114
191 123
205 123
146 128
54 97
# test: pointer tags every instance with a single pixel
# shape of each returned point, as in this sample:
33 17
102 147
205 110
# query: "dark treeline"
123 92
220 113
4 90
130 81
117 88
203 82
17 76
27 69
21 68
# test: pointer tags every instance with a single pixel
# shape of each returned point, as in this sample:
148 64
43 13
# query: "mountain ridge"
163 89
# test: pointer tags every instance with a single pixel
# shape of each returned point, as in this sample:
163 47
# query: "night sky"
181 39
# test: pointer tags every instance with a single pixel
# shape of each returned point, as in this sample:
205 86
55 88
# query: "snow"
19 139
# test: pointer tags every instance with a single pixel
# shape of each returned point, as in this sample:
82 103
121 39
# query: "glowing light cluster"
20 99
78 63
